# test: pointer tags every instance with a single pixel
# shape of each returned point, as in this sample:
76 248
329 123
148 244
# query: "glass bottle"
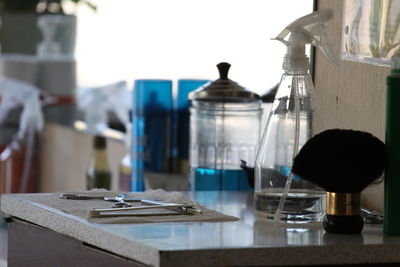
125 173
98 173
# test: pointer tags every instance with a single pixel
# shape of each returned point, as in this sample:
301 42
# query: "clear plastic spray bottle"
280 195
96 103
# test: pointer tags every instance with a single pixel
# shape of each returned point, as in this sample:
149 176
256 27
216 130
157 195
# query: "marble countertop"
248 242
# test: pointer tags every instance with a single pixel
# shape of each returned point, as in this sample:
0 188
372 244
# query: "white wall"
171 39
351 96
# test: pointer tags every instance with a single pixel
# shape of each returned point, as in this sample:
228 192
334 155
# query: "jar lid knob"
223 90
223 69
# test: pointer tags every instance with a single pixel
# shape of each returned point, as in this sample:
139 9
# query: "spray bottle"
96 103
15 93
280 195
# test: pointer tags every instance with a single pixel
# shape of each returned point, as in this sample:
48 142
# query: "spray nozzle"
96 102
309 29
16 93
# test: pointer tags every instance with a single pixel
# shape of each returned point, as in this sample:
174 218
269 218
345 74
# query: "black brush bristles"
343 161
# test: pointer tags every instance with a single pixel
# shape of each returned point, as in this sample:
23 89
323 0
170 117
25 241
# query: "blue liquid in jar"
211 179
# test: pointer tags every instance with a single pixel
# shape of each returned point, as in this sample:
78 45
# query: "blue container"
151 128
137 179
221 180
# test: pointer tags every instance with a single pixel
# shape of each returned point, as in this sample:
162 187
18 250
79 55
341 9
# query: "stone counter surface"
248 242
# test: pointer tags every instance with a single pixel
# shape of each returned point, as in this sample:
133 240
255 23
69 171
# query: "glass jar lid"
224 89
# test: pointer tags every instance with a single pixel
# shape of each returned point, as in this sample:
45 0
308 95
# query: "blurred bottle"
125 165
56 68
151 119
17 175
125 173
18 140
98 174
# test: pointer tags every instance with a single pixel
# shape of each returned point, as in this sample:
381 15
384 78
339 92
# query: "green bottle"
98 173
392 140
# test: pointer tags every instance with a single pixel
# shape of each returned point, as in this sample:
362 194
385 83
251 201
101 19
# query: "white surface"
127 40
246 242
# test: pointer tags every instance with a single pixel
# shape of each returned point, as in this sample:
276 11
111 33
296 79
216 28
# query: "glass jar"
224 130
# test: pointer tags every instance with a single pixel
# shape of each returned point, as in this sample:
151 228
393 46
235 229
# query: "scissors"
120 201
123 204
187 209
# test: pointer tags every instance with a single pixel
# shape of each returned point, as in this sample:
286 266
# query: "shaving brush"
343 162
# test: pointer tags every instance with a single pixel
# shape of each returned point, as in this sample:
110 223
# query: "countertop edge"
336 251
287 256
72 226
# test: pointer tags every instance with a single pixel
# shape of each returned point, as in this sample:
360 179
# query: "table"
247 242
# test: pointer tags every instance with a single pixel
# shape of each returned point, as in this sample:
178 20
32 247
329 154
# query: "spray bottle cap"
309 29
96 102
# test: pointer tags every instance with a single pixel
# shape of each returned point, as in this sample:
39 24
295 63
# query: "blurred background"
83 57
175 39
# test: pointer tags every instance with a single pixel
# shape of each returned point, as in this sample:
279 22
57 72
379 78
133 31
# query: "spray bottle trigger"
323 42
281 40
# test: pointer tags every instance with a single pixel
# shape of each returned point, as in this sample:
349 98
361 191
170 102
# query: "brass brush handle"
343 204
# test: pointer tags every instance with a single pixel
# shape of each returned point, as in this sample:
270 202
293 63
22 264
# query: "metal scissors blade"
120 200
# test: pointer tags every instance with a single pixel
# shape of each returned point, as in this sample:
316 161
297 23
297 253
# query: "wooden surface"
65 156
351 96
